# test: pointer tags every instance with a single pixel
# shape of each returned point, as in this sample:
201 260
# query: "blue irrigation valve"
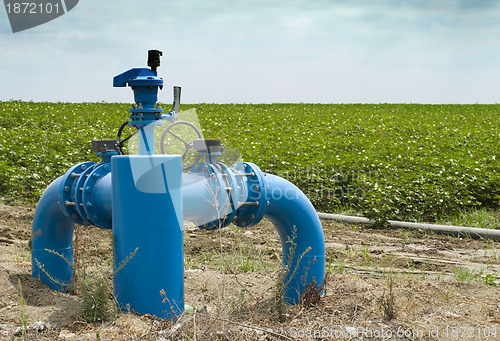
150 191
145 84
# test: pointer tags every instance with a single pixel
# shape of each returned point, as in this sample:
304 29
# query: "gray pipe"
473 232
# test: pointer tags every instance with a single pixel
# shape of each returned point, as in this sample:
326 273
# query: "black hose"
119 142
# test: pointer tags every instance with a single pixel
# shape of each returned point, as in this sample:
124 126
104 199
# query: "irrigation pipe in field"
473 232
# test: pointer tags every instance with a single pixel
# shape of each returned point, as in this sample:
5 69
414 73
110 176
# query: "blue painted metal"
144 199
124 78
106 157
79 199
248 214
95 196
52 240
196 198
300 229
210 195
147 139
147 228
233 188
70 191
263 195
145 83
214 194
146 93
296 221
101 196
79 187
219 196
212 198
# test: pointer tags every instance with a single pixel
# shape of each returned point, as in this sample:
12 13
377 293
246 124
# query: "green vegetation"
94 293
410 162
462 274
388 301
337 265
23 318
483 218
41 141
387 161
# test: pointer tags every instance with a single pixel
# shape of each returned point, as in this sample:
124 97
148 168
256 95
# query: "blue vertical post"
147 230
147 139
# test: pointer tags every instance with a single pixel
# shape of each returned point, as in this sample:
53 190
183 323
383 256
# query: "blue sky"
328 51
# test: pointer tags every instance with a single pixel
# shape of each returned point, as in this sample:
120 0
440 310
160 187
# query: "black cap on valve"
154 59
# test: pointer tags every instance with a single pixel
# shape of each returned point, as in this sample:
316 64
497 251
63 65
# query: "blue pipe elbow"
301 237
52 240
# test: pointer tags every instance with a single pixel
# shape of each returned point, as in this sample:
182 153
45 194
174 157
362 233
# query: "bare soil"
381 284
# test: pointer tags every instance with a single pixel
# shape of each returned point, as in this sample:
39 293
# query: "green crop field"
386 161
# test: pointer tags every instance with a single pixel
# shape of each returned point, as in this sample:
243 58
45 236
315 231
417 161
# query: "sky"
239 51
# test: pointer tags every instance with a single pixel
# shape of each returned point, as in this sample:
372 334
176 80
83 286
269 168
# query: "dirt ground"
381 284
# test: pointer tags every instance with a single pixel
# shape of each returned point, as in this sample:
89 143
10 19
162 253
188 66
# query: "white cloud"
261 51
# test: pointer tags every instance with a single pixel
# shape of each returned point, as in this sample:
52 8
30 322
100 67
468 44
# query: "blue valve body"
145 84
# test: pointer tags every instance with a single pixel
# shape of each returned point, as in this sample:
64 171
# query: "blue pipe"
147 230
103 197
147 139
52 240
143 198
301 236
197 198
132 194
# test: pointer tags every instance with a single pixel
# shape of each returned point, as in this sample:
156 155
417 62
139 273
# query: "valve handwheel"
187 145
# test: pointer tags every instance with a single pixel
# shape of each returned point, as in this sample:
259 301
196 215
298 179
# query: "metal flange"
69 191
216 176
89 202
251 211
79 188
232 195
232 191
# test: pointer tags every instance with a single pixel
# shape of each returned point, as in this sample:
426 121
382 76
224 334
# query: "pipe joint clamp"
225 191
253 209
70 191
77 196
